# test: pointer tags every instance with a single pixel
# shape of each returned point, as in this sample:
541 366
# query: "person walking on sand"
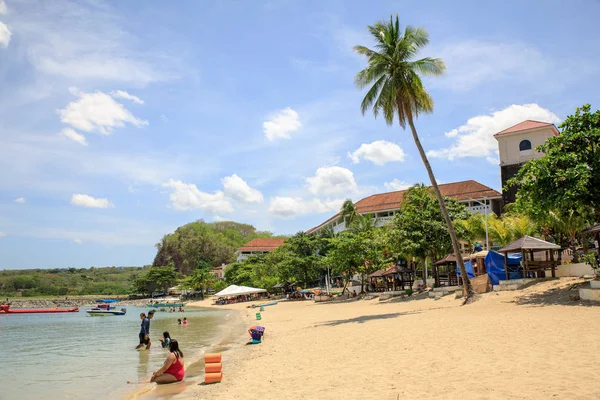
144 331
173 369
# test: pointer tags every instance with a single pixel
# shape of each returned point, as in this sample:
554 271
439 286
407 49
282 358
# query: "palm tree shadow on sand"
365 318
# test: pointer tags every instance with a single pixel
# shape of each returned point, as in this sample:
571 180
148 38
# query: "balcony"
481 208
381 221
339 228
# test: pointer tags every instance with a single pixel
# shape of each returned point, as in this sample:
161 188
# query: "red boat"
5 309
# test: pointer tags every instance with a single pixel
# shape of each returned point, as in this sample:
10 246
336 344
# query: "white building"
258 246
516 146
477 197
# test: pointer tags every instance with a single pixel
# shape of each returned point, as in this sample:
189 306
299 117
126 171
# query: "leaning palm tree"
397 91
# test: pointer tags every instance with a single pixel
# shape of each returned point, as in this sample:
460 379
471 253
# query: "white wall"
508 145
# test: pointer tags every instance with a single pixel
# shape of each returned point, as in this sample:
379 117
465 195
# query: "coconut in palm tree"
396 90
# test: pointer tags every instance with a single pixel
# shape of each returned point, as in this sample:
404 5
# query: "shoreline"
230 331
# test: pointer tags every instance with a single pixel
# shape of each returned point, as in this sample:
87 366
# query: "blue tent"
494 264
469 268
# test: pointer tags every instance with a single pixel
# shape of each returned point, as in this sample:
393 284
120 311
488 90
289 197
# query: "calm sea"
75 356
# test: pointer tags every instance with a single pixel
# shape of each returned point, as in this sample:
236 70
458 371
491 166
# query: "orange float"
212 358
213 367
213 377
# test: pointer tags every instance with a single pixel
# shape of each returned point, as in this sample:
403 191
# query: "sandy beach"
530 344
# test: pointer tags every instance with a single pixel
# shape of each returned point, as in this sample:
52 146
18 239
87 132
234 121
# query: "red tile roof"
392 200
262 244
525 126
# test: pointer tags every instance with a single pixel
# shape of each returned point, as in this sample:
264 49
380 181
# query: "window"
525 145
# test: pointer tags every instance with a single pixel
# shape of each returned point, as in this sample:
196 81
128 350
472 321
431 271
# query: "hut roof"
528 243
448 259
594 228
479 254
377 273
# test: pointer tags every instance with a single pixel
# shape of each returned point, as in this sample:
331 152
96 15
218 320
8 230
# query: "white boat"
102 312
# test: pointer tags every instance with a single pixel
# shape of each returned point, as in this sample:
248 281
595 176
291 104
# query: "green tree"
566 226
200 278
567 177
156 278
420 230
348 212
396 90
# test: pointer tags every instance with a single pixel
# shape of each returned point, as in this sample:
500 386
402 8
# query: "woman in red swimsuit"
172 370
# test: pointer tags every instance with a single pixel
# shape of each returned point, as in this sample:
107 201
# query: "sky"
120 121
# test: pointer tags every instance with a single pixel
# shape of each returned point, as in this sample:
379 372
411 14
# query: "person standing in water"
173 369
165 340
144 331
150 316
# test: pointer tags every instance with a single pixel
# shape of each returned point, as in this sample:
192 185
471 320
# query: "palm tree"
567 224
363 223
397 91
348 212
501 231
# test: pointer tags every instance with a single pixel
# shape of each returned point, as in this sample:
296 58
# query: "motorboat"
166 303
5 309
104 312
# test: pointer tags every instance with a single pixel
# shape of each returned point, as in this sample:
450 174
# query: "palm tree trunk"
467 288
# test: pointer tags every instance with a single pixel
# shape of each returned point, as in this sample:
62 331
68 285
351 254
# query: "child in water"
179 321
185 321
165 340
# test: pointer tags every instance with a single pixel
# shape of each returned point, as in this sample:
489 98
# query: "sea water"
76 356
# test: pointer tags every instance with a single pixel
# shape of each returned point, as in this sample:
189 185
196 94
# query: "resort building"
258 246
477 197
219 271
516 146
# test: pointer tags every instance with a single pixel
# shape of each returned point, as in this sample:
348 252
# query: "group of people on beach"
173 369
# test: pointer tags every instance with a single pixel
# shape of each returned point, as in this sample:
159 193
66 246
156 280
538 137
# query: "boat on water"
165 303
107 301
104 312
5 309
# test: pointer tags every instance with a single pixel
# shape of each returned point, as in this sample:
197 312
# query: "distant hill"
213 242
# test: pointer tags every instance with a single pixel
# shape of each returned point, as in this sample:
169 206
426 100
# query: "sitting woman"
165 340
172 370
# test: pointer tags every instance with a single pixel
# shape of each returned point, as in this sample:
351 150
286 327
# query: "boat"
166 303
105 312
107 301
5 309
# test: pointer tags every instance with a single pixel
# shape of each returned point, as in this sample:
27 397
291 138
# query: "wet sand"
529 344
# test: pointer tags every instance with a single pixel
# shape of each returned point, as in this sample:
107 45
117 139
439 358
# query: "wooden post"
525 267
553 263
506 266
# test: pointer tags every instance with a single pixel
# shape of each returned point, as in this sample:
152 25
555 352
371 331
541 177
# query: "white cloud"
84 200
2 234
396 185
281 124
471 63
2 7
476 137
186 196
121 94
97 112
236 188
164 118
379 152
78 241
20 200
290 207
5 35
332 181
71 134
85 41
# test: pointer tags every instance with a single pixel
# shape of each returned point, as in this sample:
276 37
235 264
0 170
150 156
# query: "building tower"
516 146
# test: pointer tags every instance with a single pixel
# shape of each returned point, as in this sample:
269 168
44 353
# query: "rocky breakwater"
69 302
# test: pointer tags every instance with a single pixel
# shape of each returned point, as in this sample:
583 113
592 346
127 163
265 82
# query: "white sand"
530 344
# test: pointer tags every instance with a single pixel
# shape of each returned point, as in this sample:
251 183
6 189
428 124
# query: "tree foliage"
156 278
567 177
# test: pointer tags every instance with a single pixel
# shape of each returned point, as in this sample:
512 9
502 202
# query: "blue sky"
120 121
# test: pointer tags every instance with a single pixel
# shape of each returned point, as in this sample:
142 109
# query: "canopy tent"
468 267
235 290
